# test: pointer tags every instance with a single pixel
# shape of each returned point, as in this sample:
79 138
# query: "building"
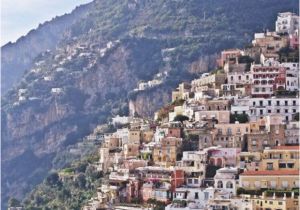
259 107
287 22
192 198
193 163
216 116
214 81
275 202
182 92
165 153
249 161
230 135
269 179
280 158
223 157
226 181
267 79
230 56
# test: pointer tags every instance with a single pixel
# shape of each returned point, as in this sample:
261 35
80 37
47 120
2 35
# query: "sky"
18 17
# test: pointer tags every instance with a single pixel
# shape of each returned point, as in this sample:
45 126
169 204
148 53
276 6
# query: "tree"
14 202
53 180
241 118
181 118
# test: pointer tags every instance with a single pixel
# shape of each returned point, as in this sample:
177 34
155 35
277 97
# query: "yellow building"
181 92
275 203
230 135
165 153
279 179
280 158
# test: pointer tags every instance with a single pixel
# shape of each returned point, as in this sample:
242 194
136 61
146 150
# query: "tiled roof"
270 173
297 147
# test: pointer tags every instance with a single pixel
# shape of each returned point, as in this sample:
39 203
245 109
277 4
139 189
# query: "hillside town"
228 140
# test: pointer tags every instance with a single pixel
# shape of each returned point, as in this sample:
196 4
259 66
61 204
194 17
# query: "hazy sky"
18 17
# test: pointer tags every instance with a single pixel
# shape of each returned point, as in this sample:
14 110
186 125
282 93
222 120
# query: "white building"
292 76
121 120
239 78
197 197
292 133
287 22
194 165
259 107
226 182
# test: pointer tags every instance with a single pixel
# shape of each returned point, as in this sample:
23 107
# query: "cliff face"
97 56
145 103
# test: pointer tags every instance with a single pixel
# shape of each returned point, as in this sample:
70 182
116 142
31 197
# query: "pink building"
223 156
294 41
267 79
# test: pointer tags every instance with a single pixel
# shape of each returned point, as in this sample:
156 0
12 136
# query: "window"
285 103
294 103
294 110
269 166
269 103
229 185
196 181
257 183
260 103
273 184
206 195
284 184
278 103
196 195
190 181
261 112
253 103
269 111
220 184
278 110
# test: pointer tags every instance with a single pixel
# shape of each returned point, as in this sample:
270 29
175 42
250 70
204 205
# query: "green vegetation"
211 171
241 118
68 189
181 118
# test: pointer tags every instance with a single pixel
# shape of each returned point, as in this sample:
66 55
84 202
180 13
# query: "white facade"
193 162
287 22
121 120
292 76
260 107
239 78
197 197
226 181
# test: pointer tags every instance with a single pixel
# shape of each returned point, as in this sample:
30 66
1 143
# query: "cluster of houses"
229 139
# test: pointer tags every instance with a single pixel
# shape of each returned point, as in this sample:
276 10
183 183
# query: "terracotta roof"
271 173
297 147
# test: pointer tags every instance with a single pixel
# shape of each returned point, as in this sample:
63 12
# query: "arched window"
220 184
229 184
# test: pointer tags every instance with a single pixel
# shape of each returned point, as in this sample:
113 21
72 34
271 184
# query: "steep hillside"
87 77
19 56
